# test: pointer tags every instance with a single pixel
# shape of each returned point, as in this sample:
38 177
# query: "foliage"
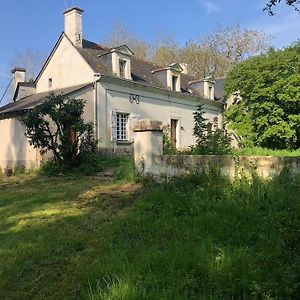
258 151
200 237
57 125
168 147
200 126
270 5
269 113
89 164
208 141
212 54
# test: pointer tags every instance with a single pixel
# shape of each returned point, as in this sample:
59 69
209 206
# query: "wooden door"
174 132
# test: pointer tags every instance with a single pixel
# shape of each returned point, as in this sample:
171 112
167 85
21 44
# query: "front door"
173 132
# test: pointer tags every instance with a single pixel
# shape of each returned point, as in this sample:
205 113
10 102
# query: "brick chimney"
18 76
73 25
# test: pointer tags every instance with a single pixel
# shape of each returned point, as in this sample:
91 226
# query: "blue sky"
36 24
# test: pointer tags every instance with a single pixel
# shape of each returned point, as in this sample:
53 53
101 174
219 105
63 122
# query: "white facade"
113 102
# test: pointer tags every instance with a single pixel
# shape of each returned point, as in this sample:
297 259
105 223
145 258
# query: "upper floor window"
49 83
174 82
210 92
122 68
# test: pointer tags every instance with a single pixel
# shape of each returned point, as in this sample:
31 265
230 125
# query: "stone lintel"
147 125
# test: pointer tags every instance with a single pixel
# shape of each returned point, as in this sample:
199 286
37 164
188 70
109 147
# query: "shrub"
57 125
215 142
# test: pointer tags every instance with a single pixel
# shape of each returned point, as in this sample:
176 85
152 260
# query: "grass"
201 237
257 151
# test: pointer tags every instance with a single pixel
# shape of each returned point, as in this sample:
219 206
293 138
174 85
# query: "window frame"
122 121
122 68
174 82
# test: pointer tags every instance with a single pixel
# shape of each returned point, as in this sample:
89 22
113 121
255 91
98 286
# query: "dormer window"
174 82
170 76
120 61
210 92
122 68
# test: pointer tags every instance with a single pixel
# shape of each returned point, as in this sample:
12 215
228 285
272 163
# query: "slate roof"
219 89
141 70
31 101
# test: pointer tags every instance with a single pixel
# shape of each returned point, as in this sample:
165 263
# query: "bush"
208 141
89 165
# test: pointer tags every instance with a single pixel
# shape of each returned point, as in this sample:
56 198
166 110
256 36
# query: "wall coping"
147 125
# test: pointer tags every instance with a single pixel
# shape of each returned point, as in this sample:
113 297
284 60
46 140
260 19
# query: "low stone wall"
265 166
149 158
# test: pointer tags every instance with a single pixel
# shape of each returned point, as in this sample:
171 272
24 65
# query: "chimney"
18 76
73 25
184 67
209 88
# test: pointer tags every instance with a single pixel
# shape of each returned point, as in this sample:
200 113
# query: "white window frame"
122 68
122 130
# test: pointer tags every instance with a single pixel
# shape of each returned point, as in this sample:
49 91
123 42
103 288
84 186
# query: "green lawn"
196 238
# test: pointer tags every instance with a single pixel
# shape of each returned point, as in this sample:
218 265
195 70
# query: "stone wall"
149 158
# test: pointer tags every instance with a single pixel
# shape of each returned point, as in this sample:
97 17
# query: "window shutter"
113 126
132 120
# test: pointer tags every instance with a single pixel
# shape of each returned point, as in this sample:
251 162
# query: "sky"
36 24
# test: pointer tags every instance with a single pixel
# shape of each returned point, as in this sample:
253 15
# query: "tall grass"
203 237
258 151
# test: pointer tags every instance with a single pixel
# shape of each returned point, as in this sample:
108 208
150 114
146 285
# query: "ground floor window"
122 126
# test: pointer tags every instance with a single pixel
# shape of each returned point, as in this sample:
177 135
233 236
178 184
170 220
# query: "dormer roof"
174 67
123 49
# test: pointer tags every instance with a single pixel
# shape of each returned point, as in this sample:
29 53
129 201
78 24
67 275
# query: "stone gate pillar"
148 145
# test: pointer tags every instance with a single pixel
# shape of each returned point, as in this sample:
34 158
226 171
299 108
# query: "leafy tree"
214 54
209 141
200 126
272 3
269 85
57 125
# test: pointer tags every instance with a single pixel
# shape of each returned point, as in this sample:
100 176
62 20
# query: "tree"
203 61
236 44
120 35
200 126
272 3
57 125
31 60
209 141
269 113
214 54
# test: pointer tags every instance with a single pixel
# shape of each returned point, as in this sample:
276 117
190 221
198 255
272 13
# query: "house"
119 89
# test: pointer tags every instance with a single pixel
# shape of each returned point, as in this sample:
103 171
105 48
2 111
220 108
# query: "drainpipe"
97 77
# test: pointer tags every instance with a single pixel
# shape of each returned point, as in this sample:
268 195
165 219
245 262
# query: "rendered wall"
154 106
66 68
15 150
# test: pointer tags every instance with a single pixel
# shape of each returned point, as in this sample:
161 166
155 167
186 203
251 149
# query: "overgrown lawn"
201 237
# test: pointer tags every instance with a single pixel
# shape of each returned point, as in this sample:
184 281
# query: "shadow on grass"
204 237
200 237
51 233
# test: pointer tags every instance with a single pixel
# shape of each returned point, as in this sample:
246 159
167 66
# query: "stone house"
119 89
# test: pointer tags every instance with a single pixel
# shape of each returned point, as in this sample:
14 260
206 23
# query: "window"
49 83
174 82
121 128
210 93
122 66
